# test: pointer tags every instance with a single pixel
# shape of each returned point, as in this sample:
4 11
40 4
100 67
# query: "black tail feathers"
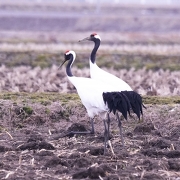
117 101
135 101
123 101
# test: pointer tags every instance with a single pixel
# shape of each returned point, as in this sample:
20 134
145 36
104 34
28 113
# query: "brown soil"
33 146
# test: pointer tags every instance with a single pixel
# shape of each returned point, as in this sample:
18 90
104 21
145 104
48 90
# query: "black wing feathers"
117 101
135 101
123 101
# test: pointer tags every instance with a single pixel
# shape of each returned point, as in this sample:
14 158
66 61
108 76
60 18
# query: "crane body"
97 97
116 83
103 76
110 79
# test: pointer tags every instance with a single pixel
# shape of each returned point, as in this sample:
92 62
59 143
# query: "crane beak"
85 39
62 64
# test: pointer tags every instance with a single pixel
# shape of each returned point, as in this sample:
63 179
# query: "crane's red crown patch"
67 51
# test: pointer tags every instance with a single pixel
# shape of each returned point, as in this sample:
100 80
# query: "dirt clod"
159 143
174 165
92 173
80 174
56 161
152 176
77 127
35 142
144 128
4 149
95 172
175 133
173 154
82 162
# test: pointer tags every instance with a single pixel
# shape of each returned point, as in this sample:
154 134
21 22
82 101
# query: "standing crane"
111 80
97 97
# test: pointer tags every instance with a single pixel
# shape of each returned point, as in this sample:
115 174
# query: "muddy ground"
33 147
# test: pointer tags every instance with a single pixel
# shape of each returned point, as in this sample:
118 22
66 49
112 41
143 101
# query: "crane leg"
108 126
92 126
120 128
105 135
142 119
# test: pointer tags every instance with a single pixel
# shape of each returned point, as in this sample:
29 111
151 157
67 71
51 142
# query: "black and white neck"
71 57
97 42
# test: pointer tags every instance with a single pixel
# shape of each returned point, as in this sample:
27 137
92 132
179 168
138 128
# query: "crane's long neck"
93 53
68 67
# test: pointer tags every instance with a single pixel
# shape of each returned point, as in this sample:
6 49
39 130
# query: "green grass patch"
115 60
28 110
73 99
42 98
161 100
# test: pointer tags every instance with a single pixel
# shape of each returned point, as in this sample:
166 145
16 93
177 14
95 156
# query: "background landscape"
140 44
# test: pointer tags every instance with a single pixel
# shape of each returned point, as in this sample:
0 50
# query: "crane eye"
67 56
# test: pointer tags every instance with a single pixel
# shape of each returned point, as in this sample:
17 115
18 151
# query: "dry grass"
27 79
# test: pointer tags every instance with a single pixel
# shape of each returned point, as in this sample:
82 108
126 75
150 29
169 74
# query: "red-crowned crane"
97 97
111 80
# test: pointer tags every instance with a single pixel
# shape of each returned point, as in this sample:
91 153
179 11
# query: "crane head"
67 56
92 37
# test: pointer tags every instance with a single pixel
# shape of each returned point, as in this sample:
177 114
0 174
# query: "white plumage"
111 80
116 83
103 76
98 73
91 93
